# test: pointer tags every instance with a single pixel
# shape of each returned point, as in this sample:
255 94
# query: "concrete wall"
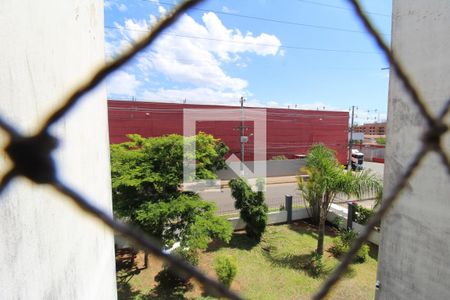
372 153
274 168
49 249
279 217
414 258
275 217
339 211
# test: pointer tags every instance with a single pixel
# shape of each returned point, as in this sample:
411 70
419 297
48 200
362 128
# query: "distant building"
290 132
372 128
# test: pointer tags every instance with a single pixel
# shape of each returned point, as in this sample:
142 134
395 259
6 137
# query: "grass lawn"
274 268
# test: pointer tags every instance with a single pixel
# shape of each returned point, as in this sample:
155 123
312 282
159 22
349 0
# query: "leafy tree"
381 140
186 218
252 208
146 178
310 194
328 178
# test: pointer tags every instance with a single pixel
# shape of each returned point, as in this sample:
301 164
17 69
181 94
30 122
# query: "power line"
249 43
285 22
343 8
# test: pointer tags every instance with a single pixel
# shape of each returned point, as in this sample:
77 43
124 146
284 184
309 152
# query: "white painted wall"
49 249
338 211
414 258
274 217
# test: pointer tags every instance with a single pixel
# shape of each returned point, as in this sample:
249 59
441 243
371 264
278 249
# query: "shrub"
170 281
226 269
361 255
362 214
338 247
338 222
252 208
343 242
316 266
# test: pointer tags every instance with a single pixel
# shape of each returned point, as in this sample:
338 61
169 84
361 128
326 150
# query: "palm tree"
327 178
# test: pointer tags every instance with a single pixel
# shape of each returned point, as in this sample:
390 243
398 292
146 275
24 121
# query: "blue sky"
227 49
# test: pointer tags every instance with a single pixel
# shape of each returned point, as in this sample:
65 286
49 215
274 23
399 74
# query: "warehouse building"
290 132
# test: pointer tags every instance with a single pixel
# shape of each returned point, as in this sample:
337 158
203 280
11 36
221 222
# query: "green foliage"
146 176
339 222
338 247
327 178
316 266
226 269
252 208
170 283
151 169
343 242
362 214
361 255
310 194
186 218
381 140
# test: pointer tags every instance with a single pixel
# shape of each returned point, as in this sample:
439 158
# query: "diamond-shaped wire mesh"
31 155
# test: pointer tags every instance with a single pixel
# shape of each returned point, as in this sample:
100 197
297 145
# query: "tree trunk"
323 217
321 232
316 213
145 259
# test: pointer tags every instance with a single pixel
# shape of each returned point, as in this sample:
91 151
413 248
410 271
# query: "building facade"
290 132
413 261
372 128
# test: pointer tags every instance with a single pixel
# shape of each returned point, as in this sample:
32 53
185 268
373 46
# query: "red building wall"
289 131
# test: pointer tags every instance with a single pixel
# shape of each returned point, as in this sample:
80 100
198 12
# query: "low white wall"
275 217
374 237
337 210
274 168
278 217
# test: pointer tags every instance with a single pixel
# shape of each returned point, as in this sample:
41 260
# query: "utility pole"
242 136
350 141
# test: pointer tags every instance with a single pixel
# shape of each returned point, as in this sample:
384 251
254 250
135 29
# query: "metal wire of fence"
31 155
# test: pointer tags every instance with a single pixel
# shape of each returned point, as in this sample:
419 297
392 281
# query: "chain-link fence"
31 155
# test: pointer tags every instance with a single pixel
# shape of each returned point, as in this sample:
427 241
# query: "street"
275 193
274 196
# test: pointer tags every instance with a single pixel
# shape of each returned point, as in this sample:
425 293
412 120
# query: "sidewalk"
270 180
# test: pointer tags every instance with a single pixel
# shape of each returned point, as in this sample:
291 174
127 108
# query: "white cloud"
109 4
191 53
194 95
162 11
122 83
196 60
228 10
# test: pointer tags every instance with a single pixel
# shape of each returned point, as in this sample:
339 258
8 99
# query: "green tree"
381 140
252 208
328 178
310 194
186 218
146 178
